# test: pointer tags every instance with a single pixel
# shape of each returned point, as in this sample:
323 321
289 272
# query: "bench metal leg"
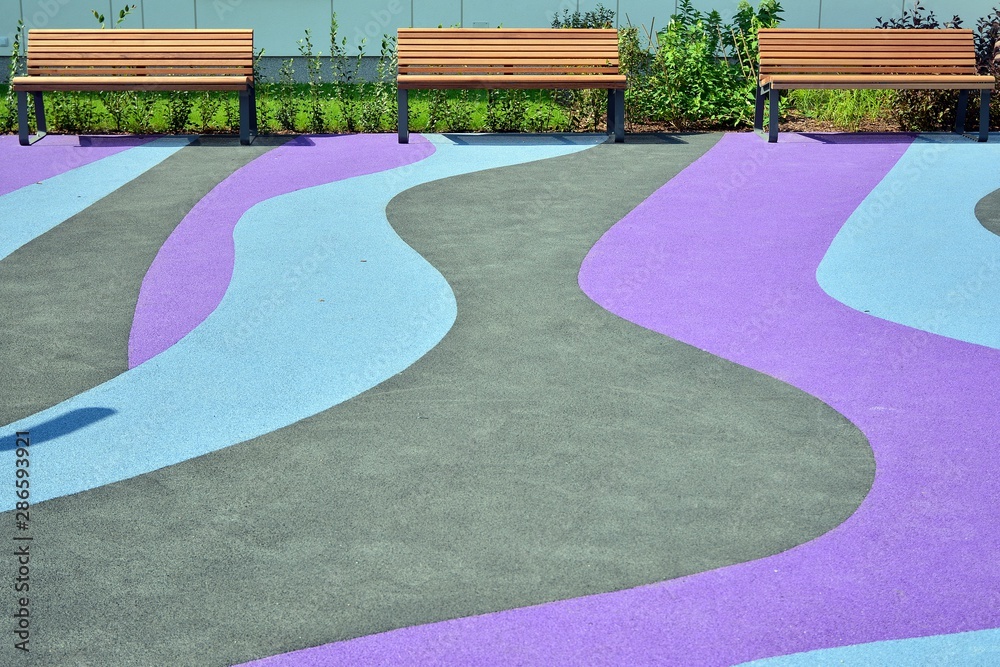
253 113
772 134
245 117
619 116
611 111
984 116
403 115
758 114
963 105
23 131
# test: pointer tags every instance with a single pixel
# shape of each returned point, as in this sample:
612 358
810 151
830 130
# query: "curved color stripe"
914 252
190 275
24 217
968 649
326 301
67 297
724 257
21 166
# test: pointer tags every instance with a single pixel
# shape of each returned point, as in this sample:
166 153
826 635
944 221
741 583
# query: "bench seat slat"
885 81
518 81
541 59
141 61
57 83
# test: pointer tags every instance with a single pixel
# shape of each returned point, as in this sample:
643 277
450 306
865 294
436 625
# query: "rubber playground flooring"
501 400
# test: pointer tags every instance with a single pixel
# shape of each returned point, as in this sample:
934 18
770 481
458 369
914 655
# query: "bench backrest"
822 51
140 52
472 51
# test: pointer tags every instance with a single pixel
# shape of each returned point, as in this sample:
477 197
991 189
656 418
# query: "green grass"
352 108
847 109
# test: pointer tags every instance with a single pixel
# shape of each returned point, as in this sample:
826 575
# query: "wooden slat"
133 76
174 59
474 62
124 45
516 82
500 42
120 33
55 83
512 73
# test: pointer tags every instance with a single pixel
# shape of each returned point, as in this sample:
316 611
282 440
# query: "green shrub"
700 71
923 110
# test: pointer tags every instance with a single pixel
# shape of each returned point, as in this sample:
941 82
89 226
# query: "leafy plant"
379 97
935 109
314 69
119 103
128 9
8 119
345 73
287 109
208 108
600 17
505 110
178 110
700 70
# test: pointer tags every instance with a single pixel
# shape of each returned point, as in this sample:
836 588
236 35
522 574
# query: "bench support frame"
403 114
22 118
248 115
770 93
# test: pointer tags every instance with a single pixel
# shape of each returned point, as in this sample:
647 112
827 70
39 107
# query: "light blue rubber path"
325 302
969 649
33 210
914 252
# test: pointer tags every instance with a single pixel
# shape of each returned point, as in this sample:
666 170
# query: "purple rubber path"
191 273
54 155
724 258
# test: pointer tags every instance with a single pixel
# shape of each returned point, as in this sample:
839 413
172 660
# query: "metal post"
772 135
245 117
984 116
619 116
611 111
963 105
42 130
403 115
758 114
253 112
22 118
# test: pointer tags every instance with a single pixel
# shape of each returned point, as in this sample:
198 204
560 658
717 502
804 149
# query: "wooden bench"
893 59
504 58
137 60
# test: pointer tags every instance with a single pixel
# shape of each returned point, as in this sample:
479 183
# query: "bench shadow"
558 138
59 426
852 138
204 140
